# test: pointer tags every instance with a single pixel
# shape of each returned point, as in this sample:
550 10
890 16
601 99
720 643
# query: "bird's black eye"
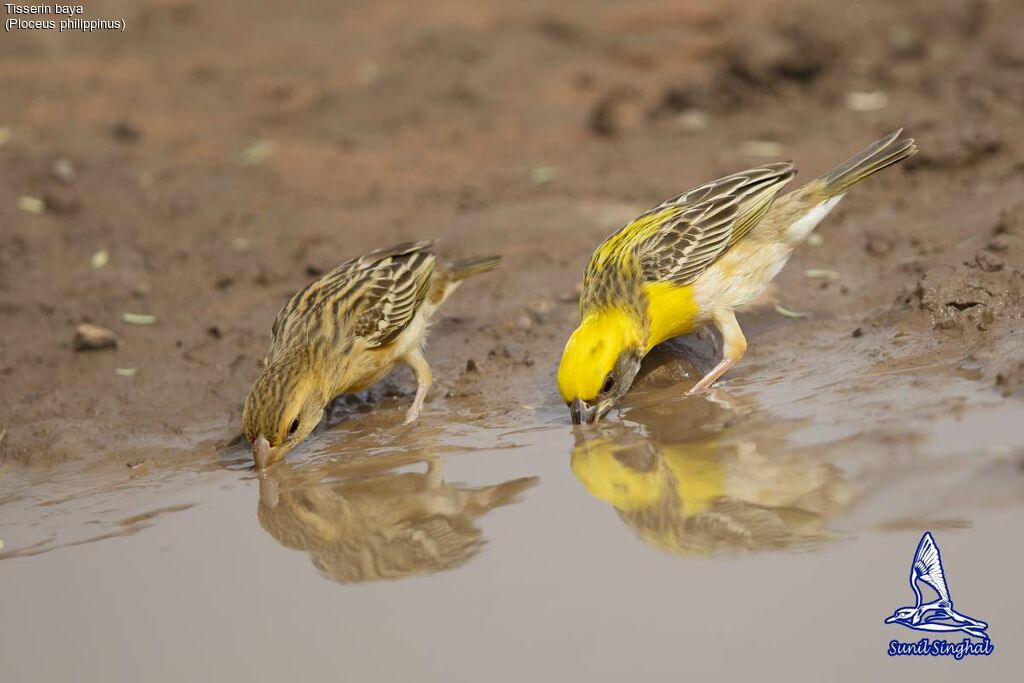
609 382
293 427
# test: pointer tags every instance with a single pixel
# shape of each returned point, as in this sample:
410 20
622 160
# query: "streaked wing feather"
711 218
374 297
730 184
394 292
684 246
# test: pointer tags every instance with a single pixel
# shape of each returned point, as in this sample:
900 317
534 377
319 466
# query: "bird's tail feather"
482 500
878 155
468 267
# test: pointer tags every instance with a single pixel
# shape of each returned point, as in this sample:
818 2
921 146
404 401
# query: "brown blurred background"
214 157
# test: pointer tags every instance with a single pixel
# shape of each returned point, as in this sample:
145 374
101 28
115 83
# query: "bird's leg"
415 360
734 345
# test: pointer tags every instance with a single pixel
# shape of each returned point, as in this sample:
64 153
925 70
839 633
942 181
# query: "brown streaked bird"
343 333
379 520
692 261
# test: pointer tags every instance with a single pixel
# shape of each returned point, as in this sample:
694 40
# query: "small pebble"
138 318
693 120
542 175
878 245
367 72
815 274
31 204
875 100
998 244
63 170
100 259
500 351
256 153
89 337
125 372
125 132
616 111
539 310
761 148
905 41
783 311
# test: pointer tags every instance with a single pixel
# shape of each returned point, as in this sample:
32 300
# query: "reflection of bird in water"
702 498
372 522
935 615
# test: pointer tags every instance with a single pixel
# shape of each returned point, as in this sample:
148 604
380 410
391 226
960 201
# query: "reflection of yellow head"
636 476
607 477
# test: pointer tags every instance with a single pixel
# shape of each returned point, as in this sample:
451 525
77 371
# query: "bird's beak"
890 620
582 413
262 453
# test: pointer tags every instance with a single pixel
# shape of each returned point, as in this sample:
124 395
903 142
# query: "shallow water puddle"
644 544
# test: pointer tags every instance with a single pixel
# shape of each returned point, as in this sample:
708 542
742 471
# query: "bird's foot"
412 414
705 383
698 388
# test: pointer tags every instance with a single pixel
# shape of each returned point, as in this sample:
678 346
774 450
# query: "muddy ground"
223 154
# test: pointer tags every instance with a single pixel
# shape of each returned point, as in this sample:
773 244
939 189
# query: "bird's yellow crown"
593 349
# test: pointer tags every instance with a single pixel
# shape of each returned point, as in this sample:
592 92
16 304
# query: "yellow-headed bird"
693 260
343 333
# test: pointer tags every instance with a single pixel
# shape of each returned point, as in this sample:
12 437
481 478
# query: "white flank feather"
803 226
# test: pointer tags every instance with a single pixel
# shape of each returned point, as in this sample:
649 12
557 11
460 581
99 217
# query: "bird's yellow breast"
699 480
671 311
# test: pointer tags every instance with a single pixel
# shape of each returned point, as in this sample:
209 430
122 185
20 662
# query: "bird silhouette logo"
937 615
